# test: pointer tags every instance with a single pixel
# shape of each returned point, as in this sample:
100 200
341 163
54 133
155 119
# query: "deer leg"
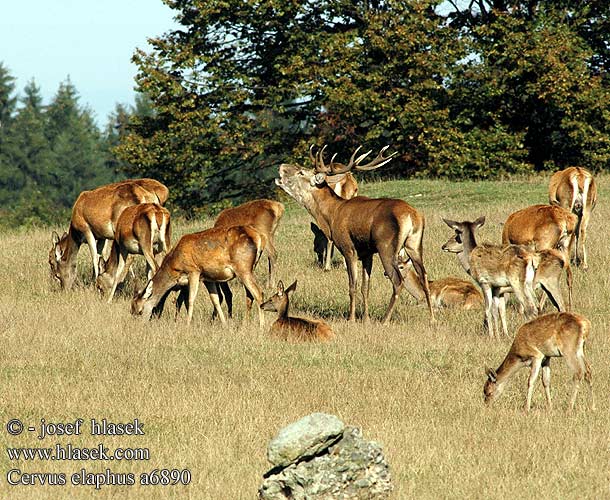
418 264
328 257
525 296
105 253
583 236
577 362
546 380
212 288
271 260
352 269
228 296
487 295
255 291
393 273
183 297
501 306
193 289
367 266
93 249
495 312
117 272
531 381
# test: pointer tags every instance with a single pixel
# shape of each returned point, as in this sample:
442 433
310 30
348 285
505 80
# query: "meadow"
211 397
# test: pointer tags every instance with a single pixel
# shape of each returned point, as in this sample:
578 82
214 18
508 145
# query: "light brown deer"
497 269
93 220
143 229
345 187
575 190
290 328
536 342
264 215
445 292
213 256
361 227
542 226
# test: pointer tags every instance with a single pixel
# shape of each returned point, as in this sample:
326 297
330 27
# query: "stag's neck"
324 203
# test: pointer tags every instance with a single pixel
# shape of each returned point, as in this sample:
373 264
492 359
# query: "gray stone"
304 438
352 468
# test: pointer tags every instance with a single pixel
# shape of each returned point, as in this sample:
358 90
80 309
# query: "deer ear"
292 287
480 221
491 374
280 288
55 238
452 224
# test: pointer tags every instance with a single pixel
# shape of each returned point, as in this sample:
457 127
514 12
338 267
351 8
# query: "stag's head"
104 280
301 183
62 269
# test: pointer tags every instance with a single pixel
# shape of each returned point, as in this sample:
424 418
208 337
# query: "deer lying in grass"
575 190
93 220
445 292
361 227
536 342
264 216
497 269
291 328
216 255
143 229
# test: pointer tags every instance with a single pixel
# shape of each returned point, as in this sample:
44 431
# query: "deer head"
300 182
279 302
62 269
492 389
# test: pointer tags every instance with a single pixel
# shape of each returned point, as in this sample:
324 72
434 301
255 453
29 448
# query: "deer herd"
539 243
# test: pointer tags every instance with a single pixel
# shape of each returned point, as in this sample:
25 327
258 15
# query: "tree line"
471 89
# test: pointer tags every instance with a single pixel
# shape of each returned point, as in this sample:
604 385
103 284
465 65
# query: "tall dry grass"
212 397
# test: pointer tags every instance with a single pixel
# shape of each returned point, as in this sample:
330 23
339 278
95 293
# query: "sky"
89 41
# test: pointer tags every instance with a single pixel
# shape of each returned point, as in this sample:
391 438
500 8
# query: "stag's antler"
318 161
354 163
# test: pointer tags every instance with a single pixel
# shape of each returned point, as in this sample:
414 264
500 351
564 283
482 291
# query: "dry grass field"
211 397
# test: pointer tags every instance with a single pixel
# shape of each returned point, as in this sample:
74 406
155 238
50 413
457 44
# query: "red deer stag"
361 227
536 342
264 216
345 187
93 220
575 190
216 255
143 229
291 328
497 269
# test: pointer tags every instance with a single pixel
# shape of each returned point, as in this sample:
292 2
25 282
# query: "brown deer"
94 217
445 292
291 328
497 269
536 342
264 215
143 229
546 228
213 256
361 227
543 226
344 186
575 190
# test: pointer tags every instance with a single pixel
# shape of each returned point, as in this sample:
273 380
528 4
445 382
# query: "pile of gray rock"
319 457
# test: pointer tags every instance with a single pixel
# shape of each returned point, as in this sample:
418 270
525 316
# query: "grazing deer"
497 269
264 216
345 187
94 217
287 327
143 229
543 226
575 190
536 342
361 227
213 256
